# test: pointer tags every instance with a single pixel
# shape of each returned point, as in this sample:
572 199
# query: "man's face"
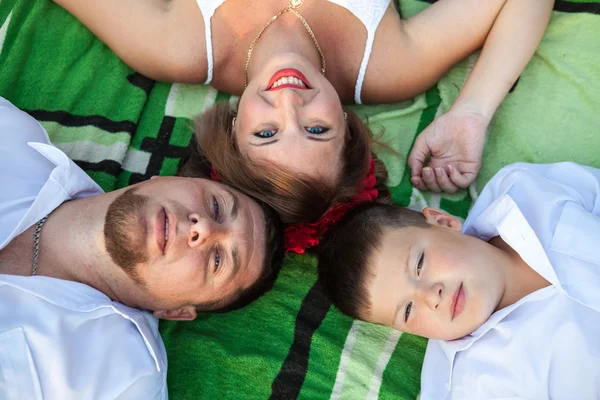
186 241
434 282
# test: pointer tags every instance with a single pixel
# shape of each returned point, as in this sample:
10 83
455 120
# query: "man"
77 266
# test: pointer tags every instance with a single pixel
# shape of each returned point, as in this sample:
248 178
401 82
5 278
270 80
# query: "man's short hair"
273 259
346 250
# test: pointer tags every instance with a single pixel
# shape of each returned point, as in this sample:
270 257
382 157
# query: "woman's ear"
440 218
185 313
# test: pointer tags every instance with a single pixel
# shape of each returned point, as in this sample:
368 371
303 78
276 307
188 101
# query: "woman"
294 62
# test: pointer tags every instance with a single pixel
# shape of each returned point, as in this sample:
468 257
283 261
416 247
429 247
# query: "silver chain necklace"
36 243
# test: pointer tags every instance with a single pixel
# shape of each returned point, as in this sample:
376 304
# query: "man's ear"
438 217
185 313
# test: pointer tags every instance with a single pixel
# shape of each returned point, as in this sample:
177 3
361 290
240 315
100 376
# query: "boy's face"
434 282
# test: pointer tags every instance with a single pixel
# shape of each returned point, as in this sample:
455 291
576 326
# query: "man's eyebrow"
264 144
235 256
235 205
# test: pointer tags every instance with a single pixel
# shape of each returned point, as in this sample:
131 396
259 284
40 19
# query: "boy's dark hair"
273 259
345 252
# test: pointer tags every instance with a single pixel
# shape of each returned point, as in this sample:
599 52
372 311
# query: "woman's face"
291 116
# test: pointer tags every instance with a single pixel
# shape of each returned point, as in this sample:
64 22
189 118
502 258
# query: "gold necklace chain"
292 5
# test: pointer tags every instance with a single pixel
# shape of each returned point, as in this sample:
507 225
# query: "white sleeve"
531 183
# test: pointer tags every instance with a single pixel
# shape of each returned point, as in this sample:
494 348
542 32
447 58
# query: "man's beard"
125 232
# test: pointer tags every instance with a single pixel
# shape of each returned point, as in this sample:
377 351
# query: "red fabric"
213 174
299 237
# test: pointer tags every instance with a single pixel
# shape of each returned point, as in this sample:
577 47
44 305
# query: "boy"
512 299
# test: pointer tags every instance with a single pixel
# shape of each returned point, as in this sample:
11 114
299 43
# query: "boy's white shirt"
62 339
547 345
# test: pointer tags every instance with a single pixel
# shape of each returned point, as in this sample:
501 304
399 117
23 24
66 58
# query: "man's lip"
172 229
160 230
288 72
458 302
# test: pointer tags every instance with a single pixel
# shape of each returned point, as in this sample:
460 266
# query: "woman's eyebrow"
264 144
318 139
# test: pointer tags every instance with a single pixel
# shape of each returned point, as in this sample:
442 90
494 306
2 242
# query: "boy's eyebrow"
396 314
405 272
407 257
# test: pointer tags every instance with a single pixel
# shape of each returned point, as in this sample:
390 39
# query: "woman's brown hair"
296 198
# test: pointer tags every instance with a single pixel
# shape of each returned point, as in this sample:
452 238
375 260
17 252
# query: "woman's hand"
446 156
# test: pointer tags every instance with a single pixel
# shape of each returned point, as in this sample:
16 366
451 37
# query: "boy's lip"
288 72
458 302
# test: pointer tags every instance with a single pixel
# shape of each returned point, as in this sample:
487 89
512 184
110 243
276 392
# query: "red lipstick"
288 72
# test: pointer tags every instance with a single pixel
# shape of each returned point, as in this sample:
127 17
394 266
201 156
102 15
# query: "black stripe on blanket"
572 7
109 166
289 381
139 80
563 6
159 149
71 120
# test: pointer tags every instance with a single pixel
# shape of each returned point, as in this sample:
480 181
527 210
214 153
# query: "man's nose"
432 295
203 231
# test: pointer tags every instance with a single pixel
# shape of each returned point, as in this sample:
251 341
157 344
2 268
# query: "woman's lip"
287 85
288 72
458 302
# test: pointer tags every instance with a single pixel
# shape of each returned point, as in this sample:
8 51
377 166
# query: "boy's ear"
185 313
438 217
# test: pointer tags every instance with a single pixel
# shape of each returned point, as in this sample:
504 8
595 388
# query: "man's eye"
217 261
267 133
216 209
317 130
407 311
420 263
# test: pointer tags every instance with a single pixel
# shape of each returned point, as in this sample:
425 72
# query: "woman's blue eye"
316 130
407 312
267 133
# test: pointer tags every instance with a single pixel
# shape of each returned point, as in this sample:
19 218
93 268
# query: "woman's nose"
289 98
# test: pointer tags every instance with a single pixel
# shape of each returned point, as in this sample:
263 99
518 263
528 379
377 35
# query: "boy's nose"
432 295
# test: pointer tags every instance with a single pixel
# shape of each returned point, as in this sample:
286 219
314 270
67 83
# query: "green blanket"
122 128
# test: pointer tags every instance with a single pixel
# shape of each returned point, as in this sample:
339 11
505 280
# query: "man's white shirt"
547 345
62 339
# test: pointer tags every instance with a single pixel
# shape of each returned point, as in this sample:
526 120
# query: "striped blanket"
122 128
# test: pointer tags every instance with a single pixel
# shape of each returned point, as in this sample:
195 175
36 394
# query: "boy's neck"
521 279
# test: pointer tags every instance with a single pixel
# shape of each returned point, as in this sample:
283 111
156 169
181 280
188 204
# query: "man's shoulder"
14 120
119 345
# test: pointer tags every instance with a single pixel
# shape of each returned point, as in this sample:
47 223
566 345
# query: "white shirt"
62 339
547 345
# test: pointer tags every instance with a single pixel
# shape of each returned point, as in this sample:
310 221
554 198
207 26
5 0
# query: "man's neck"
69 247
521 279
